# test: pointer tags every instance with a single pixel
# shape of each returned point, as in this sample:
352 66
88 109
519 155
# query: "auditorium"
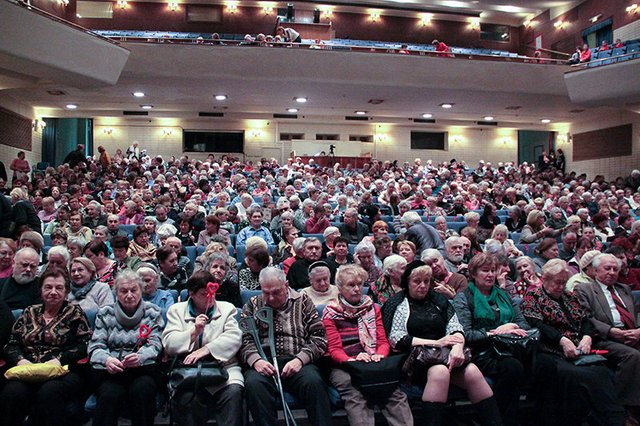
297 212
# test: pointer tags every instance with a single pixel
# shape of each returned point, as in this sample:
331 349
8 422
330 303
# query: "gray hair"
555 267
471 216
500 228
127 276
353 270
330 230
392 262
167 230
217 256
272 273
430 254
317 269
253 210
77 241
527 259
298 244
450 241
599 258
410 218
26 251
286 215
364 247
150 218
494 247
61 251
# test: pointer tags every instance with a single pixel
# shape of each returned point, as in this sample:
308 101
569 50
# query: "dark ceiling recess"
211 114
487 123
576 111
375 101
292 116
135 113
56 92
513 108
356 118
424 120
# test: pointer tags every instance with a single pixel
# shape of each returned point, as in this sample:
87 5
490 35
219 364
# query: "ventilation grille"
487 123
211 114
356 118
424 120
290 116
135 113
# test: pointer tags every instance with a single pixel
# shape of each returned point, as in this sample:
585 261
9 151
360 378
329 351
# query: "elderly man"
113 226
255 228
424 236
446 282
298 274
613 315
22 288
321 291
94 216
183 261
454 253
352 229
300 340
569 241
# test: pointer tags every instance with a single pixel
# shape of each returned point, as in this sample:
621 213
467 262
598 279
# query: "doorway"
62 135
532 143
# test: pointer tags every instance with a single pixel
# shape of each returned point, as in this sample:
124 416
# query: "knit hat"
587 258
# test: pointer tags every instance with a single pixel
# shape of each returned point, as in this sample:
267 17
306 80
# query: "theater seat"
245 295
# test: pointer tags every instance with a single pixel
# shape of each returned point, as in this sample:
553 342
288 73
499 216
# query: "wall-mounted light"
167 132
559 24
173 6
255 133
506 141
38 125
122 4
63 2
474 23
564 138
594 19
380 138
232 7
633 8
327 11
107 130
268 10
456 139
374 16
425 19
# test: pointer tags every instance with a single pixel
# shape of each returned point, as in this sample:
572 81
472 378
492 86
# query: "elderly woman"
123 353
568 392
355 333
256 259
58 257
418 316
7 251
535 228
528 278
406 249
24 214
582 246
172 275
501 233
389 283
218 267
601 227
442 228
31 239
557 219
98 253
284 249
488 221
445 282
330 234
364 255
211 228
59 238
204 328
516 220
150 276
76 246
546 250
485 310
321 291
398 226
54 332
141 246
86 292
318 222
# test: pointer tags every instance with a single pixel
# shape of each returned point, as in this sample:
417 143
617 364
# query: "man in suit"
614 317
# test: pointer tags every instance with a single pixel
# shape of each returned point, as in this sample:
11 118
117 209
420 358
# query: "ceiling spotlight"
488 118
71 106
146 106
138 94
446 105
300 99
361 112
545 121
427 115
221 97
292 110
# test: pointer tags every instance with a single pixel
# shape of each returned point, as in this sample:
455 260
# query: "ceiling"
180 81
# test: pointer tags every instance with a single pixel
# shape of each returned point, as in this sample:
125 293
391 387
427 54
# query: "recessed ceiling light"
361 112
488 118
138 94
146 106
545 121
427 115
221 97
292 110
300 99
71 106
446 105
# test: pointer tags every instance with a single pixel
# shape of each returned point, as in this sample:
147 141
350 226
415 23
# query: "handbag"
426 356
510 345
376 380
589 359
191 377
36 373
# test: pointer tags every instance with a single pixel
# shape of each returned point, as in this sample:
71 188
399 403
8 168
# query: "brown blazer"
592 298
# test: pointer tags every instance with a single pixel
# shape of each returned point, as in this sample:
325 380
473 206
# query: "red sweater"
315 226
344 342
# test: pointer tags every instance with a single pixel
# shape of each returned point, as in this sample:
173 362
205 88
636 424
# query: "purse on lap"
191 377
426 356
376 380
510 345
36 373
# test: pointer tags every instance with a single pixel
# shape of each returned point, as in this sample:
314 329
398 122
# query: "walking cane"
248 325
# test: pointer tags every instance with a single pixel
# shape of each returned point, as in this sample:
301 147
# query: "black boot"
488 412
433 413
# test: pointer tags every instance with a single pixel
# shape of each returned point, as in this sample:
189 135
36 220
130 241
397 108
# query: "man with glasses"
22 288
283 206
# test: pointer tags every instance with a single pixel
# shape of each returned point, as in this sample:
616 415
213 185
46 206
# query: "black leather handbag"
376 380
426 356
191 377
520 347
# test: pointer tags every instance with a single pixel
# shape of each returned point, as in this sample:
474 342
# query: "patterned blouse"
65 337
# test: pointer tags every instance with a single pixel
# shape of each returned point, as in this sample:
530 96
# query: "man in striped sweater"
300 340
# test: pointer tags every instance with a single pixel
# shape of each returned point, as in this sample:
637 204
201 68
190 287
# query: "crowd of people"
531 293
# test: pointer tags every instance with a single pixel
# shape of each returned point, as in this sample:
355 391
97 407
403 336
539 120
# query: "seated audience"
320 291
445 282
86 291
255 228
150 277
229 290
388 283
141 246
256 258
423 235
98 253
21 289
352 229
298 274
7 253
172 276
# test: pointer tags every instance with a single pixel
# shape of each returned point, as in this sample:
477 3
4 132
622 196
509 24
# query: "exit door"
532 143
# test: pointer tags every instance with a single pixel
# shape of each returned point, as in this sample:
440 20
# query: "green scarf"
483 315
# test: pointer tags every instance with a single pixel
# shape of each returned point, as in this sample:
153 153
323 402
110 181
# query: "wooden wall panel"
15 130
603 143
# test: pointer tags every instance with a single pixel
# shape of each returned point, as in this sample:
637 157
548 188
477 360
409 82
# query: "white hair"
410 218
